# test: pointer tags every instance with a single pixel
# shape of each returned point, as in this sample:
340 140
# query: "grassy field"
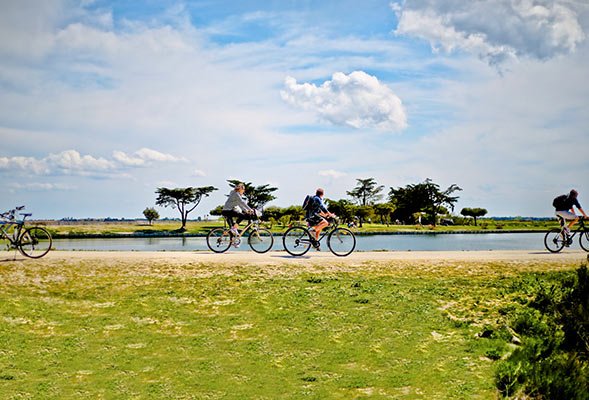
194 227
157 330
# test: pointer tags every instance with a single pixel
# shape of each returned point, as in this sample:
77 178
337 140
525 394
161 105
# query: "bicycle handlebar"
11 213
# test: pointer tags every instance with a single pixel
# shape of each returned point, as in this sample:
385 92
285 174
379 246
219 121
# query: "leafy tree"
343 208
366 192
256 196
362 212
383 210
437 199
422 197
284 220
151 214
295 213
474 212
273 212
184 199
217 211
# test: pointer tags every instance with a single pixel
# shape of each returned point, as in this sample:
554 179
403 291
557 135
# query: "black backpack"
307 202
560 202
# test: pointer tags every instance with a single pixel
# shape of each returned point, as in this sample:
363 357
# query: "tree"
272 214
474 212
295 213
362 212
422 197
383 210
366 192
182 199
256 196
437 199
151 214
217 211
342 208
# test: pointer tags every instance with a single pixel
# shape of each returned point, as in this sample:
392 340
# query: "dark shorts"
233 217
315 220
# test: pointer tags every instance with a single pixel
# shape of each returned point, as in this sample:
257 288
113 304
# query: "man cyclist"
236 207
315 216
564 209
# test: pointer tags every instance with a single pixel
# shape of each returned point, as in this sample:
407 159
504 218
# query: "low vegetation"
113 329
552 357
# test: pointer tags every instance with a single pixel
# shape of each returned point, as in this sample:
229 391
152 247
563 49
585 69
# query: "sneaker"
236 242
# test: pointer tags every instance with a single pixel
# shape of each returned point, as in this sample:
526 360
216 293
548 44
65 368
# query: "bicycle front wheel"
341 242
219 240
554 241
261 240
584 240
35 242
296 241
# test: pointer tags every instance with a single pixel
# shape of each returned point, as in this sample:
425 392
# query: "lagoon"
405 242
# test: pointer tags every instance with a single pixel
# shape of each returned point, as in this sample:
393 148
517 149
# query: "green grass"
197 331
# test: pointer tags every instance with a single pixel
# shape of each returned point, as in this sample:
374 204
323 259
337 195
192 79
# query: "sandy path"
311 258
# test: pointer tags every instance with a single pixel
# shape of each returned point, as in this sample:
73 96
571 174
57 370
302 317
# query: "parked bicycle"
259 239
341 241
556 239
33 242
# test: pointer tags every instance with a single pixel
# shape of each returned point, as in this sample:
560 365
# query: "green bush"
553 359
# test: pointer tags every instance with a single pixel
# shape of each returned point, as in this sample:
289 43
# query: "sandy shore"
311 258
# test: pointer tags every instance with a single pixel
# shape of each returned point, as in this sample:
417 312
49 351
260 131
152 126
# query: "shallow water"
417 242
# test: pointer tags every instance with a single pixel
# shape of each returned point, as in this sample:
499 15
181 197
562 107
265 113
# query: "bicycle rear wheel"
219 240
35 242
296 241
554 241
260 240
341 242
584 240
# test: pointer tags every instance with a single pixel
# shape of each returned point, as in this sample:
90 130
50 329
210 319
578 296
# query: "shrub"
553 360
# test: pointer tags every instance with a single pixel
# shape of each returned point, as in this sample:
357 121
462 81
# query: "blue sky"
102 102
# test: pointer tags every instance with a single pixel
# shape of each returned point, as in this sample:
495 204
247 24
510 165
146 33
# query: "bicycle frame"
5 229
327 230
244 230
580 228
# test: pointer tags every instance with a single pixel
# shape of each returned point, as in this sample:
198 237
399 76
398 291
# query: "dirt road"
313 257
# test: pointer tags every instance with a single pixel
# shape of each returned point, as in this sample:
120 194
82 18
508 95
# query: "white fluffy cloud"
37 186
71 162
198 172
356 100
68 162
495 30
144 157
332 173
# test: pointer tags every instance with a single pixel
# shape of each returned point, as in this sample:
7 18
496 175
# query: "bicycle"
260 239
297 240
32 242
556 239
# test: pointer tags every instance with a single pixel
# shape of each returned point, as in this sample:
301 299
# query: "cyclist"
315 216
236 207
564 209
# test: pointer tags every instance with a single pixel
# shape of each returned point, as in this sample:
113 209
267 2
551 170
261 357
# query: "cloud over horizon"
494 30
357 100
71 162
